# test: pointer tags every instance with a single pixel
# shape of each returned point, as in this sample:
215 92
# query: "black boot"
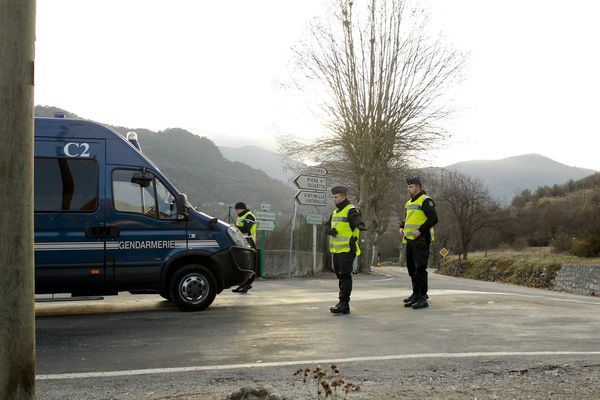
410 299
341 308
243 289
411 302
420 303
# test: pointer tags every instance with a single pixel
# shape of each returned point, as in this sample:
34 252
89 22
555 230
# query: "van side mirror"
143 179
182 205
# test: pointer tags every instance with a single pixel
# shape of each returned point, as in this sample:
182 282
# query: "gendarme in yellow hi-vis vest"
340 243
240 222
415 217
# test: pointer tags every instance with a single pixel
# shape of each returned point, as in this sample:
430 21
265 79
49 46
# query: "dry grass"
534 267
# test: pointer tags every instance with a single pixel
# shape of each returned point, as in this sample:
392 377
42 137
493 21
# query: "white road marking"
261 364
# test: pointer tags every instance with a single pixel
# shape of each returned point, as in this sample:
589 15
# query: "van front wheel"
193 287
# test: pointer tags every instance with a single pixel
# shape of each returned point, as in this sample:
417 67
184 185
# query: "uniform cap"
240 205
415 180
339 190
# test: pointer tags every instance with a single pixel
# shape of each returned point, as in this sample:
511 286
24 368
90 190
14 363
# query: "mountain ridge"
505 178
508 176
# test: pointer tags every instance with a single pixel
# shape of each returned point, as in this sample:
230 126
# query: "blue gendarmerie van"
107 221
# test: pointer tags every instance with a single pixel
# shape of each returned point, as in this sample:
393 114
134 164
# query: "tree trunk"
17 333
363 206
465 252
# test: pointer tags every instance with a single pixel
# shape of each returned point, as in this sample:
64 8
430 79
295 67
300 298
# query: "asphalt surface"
130 347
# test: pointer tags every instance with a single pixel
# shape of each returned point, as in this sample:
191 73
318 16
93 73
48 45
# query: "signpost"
265 225
265 221
311 198
317 171
312 184
265 216
314 219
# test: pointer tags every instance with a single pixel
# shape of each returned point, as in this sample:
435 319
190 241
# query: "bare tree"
382 82
469 207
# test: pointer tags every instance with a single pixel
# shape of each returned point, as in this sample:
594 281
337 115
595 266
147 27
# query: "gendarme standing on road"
418 233
246 223
343 227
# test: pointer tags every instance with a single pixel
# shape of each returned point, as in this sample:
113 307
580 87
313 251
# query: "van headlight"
237 237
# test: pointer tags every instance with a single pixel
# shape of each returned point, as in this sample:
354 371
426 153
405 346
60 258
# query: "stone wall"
579 279
277 263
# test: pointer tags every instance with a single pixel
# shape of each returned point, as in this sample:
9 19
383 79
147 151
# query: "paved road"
141 347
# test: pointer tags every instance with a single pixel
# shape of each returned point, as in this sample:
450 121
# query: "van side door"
143 210
69 217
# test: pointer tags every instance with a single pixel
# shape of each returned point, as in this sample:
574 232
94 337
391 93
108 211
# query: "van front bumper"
235 265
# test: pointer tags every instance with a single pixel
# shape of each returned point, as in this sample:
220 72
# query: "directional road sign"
265 216
265 225
311 198
314 219
311 182
316 171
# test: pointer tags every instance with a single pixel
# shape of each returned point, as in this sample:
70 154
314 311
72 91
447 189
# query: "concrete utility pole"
17 322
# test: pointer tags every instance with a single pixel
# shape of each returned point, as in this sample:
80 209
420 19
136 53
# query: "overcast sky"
215 68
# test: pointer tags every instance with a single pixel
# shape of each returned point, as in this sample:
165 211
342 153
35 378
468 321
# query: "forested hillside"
567 216
195 166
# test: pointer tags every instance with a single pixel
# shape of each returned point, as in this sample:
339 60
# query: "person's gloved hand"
362 227
331 231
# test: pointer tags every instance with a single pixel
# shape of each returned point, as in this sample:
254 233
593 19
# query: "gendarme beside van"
107 220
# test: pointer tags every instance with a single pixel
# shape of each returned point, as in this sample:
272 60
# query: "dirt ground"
498 381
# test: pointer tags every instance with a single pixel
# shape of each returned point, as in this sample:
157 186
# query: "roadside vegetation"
533 267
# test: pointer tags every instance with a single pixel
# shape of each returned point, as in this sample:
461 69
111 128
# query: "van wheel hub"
194 288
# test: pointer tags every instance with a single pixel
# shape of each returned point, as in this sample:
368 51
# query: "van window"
131 197
166 202
65 184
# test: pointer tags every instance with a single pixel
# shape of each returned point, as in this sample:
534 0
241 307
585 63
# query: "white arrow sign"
311 182
317 171
265 225
314 219
306 197
265 216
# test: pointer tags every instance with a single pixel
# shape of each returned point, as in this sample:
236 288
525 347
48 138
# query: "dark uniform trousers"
417 258
342 265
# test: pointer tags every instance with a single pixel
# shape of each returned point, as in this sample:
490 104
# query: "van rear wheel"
193 287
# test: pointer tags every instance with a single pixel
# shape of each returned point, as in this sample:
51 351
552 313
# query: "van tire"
193 287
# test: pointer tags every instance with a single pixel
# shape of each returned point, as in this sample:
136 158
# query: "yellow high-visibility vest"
239 222
341 242
415 217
